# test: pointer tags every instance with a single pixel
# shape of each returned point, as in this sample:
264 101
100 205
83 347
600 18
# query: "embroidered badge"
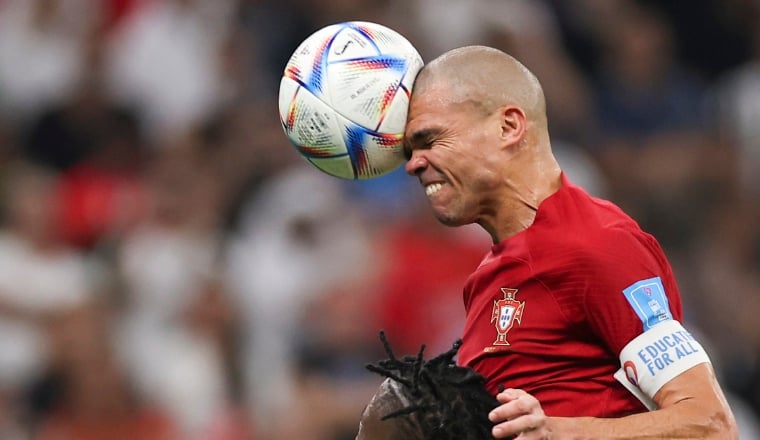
506 312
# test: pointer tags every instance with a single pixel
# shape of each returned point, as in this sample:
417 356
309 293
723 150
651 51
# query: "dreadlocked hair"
446 401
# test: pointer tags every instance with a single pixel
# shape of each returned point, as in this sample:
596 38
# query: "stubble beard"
453 216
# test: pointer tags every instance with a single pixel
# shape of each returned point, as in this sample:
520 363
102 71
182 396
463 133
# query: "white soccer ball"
344 97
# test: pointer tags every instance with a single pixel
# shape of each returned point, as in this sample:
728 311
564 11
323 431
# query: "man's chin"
450 220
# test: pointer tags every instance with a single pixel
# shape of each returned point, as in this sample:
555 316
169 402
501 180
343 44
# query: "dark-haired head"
427 399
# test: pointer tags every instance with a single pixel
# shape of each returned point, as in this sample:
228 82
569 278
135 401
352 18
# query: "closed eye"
420 139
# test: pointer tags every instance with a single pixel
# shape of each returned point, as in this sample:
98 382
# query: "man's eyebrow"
423 136
419 137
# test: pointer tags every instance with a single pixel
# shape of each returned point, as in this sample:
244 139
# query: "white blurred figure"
581 168
168 263
298 237
40 278
41 52
746 419
736 96
446 24
738 99
164 58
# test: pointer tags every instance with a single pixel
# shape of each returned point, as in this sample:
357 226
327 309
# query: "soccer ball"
344 97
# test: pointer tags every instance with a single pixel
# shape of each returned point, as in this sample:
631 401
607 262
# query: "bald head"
375 426
486 78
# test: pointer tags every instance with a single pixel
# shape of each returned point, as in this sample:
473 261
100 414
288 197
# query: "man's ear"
513 123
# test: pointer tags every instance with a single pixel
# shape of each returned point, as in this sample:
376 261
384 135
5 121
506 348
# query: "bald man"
575 310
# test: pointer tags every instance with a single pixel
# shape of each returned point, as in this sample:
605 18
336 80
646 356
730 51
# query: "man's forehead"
439 97
426 106
429 92
434 112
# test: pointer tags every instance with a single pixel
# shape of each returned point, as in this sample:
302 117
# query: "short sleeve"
630 287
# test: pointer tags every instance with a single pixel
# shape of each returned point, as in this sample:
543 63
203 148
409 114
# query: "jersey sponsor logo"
506 311
648 300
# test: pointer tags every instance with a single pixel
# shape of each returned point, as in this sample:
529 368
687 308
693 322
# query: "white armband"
655 357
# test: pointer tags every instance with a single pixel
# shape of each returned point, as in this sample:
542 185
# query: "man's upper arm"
695 383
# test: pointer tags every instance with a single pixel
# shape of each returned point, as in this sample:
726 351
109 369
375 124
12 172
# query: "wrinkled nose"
416 164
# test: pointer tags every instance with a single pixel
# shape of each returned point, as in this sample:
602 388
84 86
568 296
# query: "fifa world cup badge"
506 312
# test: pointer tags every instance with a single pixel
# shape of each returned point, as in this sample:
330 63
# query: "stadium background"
169 268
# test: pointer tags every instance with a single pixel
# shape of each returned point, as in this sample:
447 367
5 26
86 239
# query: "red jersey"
549 309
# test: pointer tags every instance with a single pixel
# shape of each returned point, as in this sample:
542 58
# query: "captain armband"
655 357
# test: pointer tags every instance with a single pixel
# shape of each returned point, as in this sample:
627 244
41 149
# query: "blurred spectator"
297 236
98 148
40 278
164 59
41 53
247 145
104 194
712 35
665 168
212 318
642 89
168 262
273 29
728 260
582 168
737 100
63 133
96 400
445 24
334 342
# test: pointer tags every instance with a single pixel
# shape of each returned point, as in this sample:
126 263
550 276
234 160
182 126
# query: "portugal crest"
506 312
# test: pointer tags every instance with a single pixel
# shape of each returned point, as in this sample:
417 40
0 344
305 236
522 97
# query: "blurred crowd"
171 269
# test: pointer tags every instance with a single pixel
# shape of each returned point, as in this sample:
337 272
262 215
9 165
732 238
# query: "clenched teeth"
433 188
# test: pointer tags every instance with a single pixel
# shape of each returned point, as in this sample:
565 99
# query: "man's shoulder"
579 230
574 216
